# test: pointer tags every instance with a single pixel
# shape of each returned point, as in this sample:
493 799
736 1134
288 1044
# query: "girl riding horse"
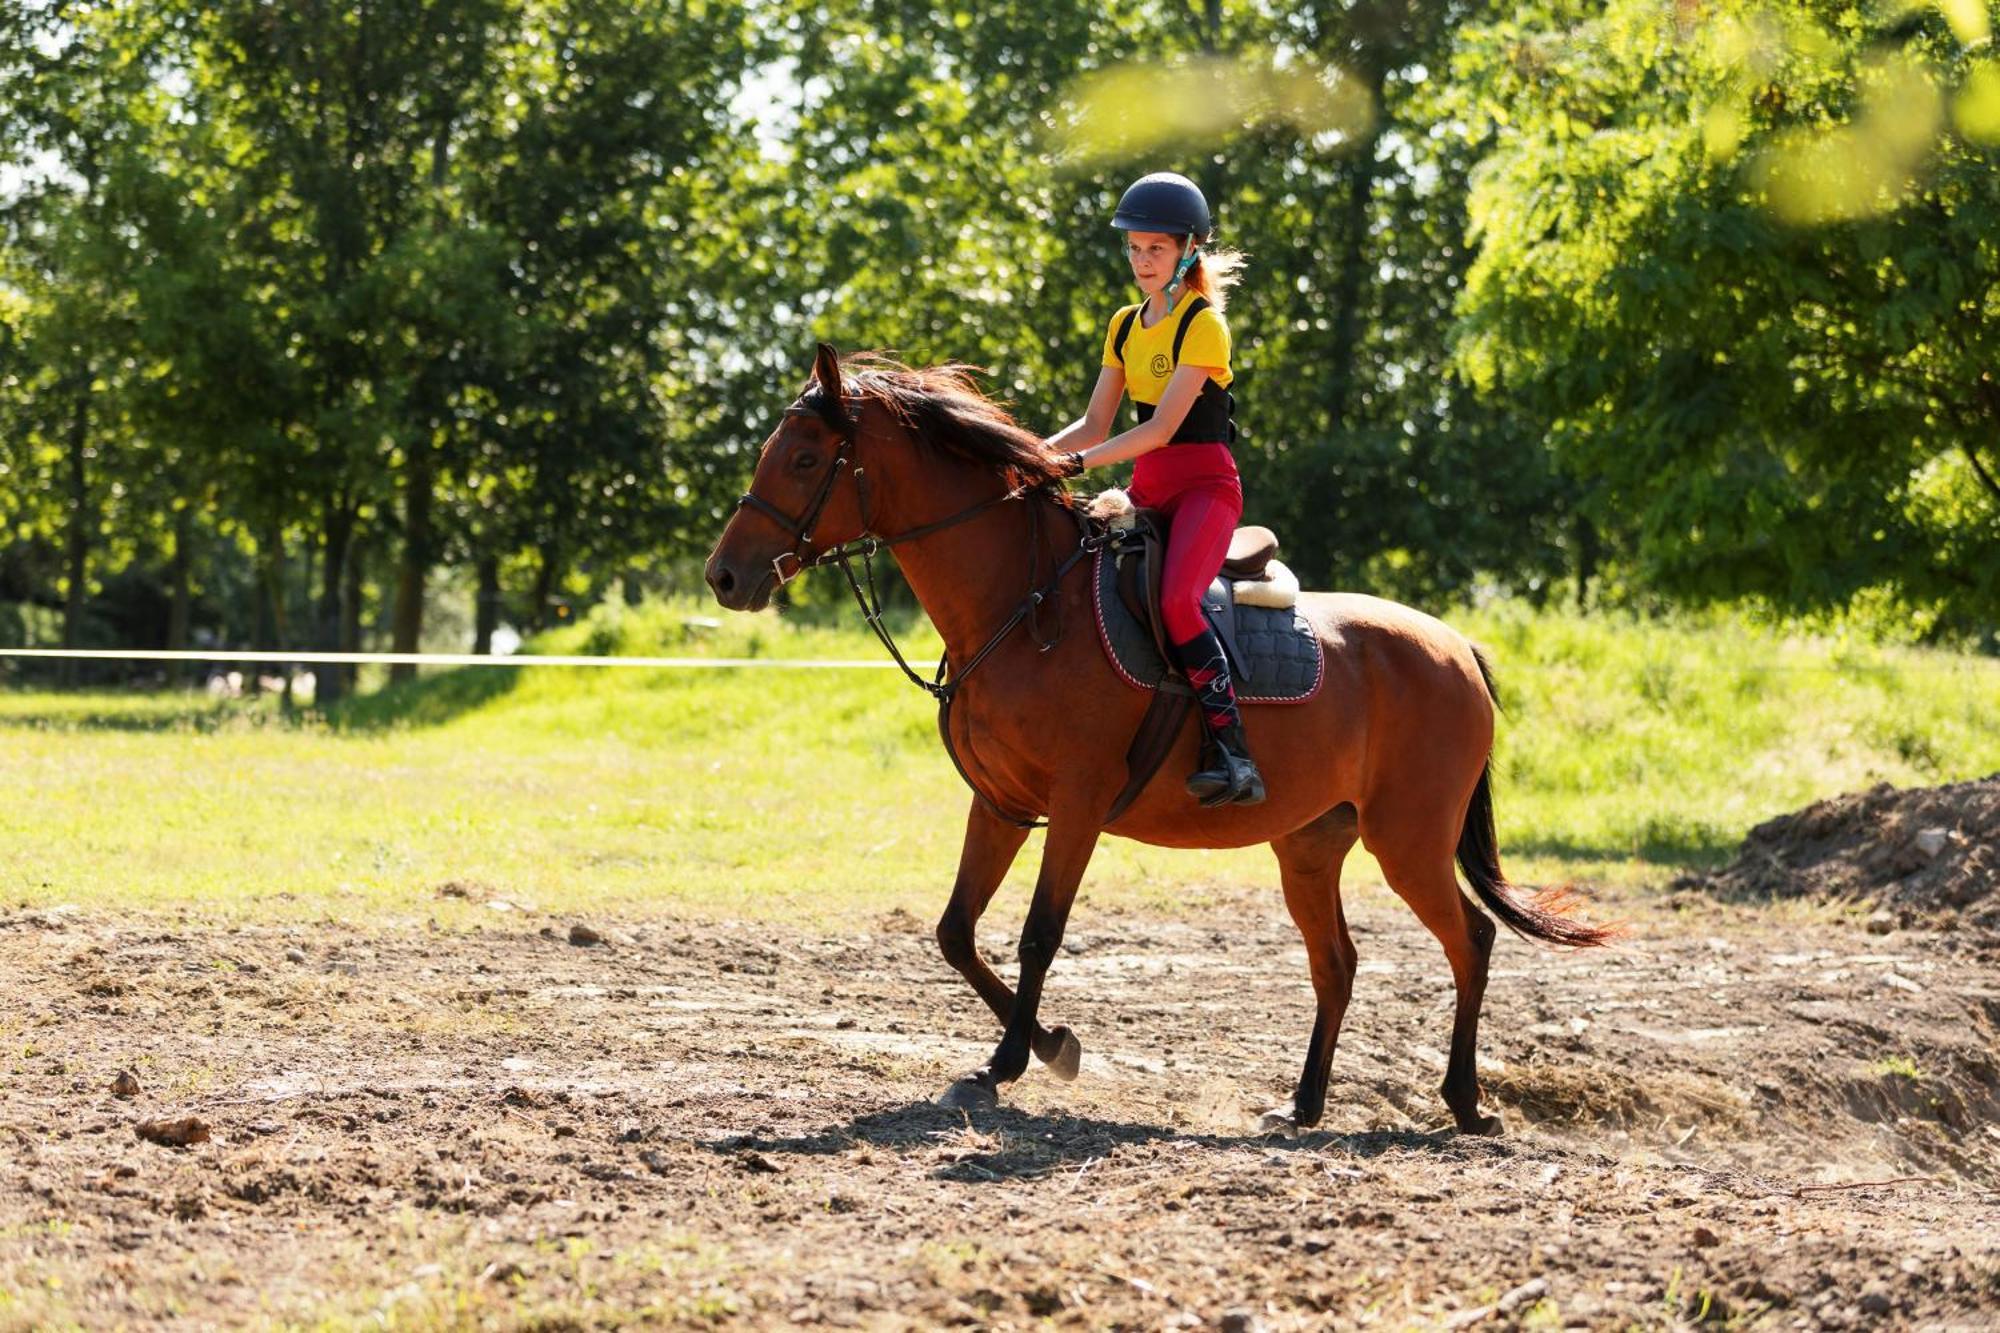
1172 355
1393 751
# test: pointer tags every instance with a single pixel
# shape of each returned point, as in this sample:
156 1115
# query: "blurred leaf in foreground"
1860 169
1976 111
1136 107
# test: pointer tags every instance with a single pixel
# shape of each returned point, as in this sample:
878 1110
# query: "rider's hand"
1072 464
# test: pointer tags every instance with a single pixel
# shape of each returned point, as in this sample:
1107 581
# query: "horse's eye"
805 462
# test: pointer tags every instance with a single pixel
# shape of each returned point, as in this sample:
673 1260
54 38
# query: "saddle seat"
1250 552
1251 575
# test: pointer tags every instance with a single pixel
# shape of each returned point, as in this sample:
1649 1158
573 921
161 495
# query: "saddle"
1273 652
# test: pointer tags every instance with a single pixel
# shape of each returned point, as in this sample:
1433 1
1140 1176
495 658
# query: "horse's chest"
998 741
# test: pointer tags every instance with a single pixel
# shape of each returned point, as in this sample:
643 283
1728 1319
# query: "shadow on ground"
1026 1146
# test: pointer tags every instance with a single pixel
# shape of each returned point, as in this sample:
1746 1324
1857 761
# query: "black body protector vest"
1211 418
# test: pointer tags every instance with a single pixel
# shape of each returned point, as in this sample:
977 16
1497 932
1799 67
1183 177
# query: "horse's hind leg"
1415 856
991 844
1309 862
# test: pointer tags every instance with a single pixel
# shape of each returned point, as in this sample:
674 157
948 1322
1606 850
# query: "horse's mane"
943 406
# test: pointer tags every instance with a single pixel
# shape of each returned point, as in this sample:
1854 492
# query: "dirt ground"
1739 1115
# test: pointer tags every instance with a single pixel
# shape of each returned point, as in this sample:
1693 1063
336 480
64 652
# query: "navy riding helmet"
1165 202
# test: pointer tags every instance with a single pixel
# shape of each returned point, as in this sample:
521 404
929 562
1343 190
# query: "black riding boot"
1227 773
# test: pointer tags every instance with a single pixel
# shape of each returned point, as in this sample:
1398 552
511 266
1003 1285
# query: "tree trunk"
1588 551
545 583
1355 263
179 577
337 551
407 628
76 556
486 605
271 629
350 612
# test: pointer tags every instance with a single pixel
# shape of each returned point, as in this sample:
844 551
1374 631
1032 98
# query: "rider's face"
1153 256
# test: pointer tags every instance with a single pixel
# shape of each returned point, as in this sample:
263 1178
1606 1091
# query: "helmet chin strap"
1189 253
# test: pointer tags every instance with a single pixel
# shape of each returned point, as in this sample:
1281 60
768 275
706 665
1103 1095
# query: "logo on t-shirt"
1161 365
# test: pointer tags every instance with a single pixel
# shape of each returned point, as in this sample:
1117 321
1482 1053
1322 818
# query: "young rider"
1171 352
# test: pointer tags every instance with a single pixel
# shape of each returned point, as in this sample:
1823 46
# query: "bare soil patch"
1727 1118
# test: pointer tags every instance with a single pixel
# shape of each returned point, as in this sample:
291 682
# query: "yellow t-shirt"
1148 362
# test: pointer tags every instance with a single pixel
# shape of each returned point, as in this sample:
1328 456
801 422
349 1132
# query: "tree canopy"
315 318
1743 271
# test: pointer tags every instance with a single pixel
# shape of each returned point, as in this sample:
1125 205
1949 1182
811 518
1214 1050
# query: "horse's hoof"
1279 1120
1488 1126
1068 1057
969 1095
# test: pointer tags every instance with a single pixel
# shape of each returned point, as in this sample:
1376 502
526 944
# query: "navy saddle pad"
1283 659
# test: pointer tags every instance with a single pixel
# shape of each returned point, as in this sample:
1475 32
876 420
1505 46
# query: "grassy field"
1631 749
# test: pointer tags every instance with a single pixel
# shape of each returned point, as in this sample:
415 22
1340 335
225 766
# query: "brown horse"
1393 750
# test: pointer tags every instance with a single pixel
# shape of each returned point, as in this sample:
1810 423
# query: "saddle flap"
1141 560
1250 549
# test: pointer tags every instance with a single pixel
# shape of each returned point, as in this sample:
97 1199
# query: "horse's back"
1401 711
1355 621
1410 671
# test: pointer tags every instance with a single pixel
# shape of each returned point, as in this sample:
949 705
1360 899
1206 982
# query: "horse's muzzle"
737 589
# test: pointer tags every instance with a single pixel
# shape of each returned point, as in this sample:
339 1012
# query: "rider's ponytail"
1213 274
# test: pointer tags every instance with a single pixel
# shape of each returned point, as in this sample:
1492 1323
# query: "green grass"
1630 745
1631 749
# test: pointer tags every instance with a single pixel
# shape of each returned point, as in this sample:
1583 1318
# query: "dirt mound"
1927 855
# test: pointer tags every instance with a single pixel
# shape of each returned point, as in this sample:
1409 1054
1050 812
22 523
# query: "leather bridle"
801 527
848 424
945 684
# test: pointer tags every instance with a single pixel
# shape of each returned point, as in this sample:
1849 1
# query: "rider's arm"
1149 435
1097 419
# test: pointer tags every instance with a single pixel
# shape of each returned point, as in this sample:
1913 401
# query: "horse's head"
802 497
842 465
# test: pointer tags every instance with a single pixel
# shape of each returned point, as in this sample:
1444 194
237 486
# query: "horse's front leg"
991 844
1065 855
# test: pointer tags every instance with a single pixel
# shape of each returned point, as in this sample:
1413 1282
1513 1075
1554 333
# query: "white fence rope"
279 658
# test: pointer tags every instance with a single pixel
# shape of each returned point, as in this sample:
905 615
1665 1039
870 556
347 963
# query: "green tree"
948 188
79 120
601 171
1739 263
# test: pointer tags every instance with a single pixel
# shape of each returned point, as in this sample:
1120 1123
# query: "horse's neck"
971 577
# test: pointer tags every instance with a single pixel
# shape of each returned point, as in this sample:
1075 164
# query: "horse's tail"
1543 915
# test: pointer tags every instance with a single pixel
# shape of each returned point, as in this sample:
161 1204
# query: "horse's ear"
826 369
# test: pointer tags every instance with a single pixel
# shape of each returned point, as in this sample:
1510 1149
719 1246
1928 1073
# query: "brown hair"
1214 273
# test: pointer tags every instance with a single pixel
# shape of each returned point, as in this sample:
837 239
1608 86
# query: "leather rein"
945 683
